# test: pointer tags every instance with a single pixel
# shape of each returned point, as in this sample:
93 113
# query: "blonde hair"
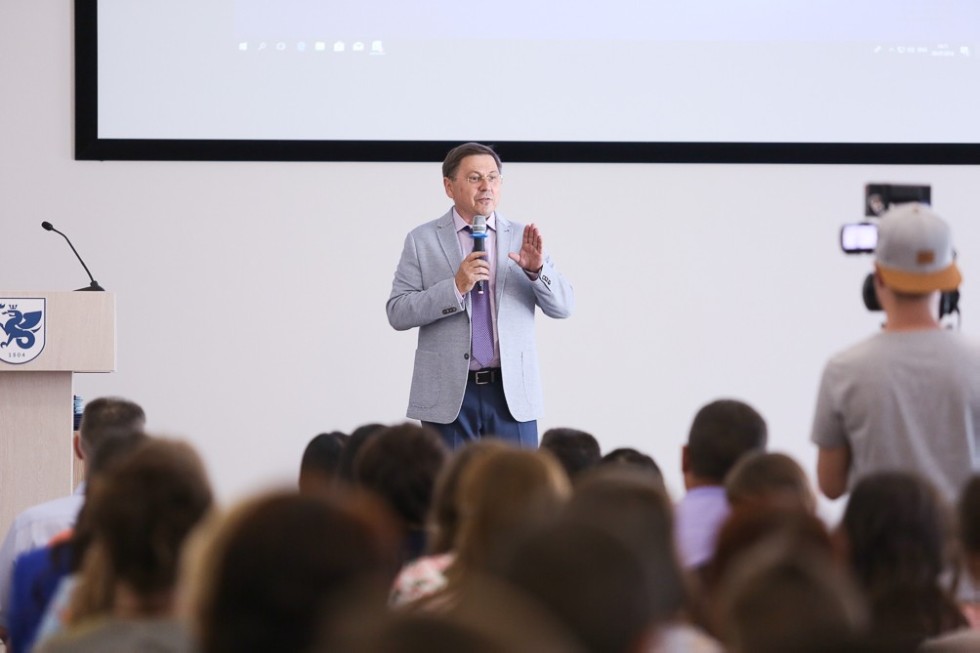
499 495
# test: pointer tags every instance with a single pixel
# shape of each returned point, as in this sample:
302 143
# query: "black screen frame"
90 147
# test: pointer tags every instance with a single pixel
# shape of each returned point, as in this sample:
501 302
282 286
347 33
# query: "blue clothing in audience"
36 576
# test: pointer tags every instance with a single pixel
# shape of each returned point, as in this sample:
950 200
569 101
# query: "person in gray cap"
907 398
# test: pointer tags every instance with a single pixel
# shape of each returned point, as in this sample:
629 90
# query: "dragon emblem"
19 327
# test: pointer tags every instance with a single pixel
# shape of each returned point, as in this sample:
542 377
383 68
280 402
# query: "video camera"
862 237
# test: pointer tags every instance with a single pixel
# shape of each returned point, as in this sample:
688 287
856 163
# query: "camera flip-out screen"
859 238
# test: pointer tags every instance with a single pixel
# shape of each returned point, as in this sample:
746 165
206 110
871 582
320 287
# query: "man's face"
475 189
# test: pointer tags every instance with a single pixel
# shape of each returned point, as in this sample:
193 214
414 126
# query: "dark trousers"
484 414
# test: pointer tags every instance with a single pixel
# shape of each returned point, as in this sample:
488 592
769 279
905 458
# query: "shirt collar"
461 224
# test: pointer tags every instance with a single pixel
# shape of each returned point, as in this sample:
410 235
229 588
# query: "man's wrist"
533 274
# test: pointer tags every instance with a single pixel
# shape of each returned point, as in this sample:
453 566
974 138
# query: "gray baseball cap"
915 250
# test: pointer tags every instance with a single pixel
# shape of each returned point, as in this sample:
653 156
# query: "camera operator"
907 398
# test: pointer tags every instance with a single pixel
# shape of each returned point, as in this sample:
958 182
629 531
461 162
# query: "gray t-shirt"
907 400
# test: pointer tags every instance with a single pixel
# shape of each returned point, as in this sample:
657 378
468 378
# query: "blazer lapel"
504 235
446 232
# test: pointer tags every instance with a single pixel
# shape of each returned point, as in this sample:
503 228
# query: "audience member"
895 532
783 598
492 616
142 509
591 580
102 419
282 565
632 457
320 466
426 575
576 450
500 493
632 504
352 447
43 578
400 464
721 433
770 479
908 397
749 526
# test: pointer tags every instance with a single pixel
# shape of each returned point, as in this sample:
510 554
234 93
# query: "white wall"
251 295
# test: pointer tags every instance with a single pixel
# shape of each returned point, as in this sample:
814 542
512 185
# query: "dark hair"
321 458
143 508
749 526
352 447
400 464
575 450
897 528
283 562
420 632
107 417
783 598
634 505
721 433
968 509
590 579
456 155
627 456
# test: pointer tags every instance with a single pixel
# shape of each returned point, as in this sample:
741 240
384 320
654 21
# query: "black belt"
485 376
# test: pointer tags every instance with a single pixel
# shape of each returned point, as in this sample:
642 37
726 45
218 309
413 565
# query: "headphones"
948 301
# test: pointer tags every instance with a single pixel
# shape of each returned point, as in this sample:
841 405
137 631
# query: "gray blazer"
423 295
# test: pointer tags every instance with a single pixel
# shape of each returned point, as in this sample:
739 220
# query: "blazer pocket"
531 376
426 379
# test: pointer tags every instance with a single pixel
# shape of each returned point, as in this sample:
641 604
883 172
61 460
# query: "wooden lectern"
79 335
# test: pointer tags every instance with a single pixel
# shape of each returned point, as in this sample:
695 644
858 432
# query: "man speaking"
470 281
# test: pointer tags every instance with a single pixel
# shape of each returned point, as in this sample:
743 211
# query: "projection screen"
856 81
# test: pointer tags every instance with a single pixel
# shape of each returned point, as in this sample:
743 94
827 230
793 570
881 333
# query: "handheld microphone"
479 230
92 286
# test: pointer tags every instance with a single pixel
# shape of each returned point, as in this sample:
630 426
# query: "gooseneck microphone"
92 286
479 229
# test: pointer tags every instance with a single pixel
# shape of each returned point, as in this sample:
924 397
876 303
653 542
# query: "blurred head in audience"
500 493
783 598
110 451
576 450
321 462
721 433
770 479
400 464
631 457
633 505
896 532
754 524
104 419
352 447
444 514
282 564
140 510
591 580
493 617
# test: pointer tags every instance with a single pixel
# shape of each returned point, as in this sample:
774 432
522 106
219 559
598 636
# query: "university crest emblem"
23 325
